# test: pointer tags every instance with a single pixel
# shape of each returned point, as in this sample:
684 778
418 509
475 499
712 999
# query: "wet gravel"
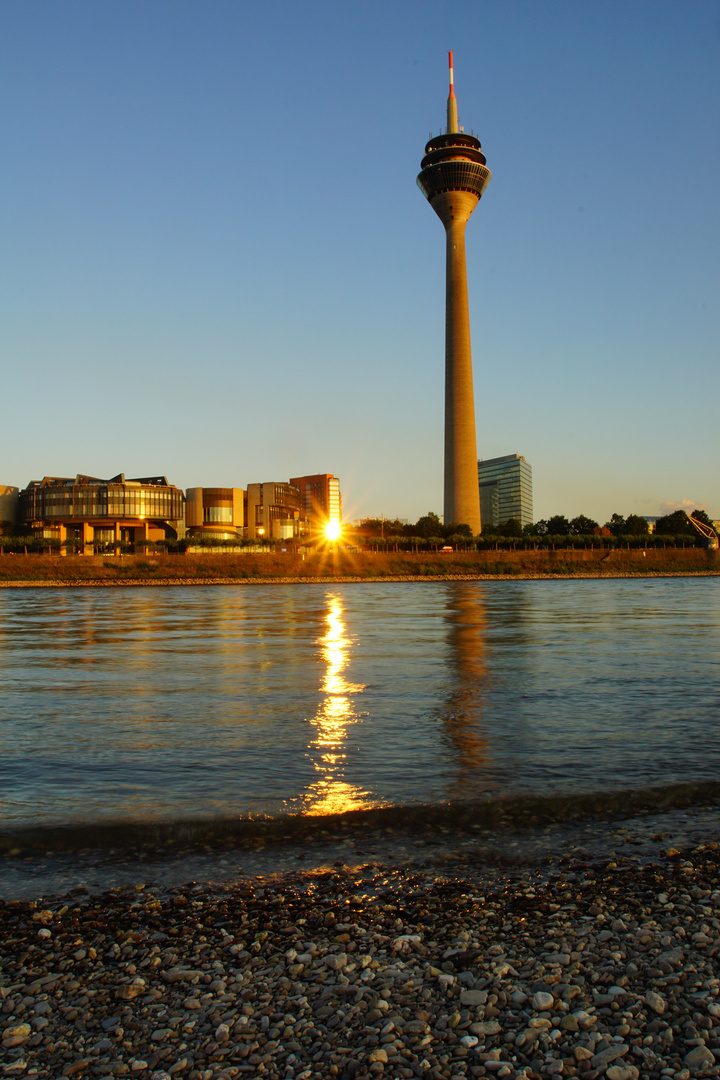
580 963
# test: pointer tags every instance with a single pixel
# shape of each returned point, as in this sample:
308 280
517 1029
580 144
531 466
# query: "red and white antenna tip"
450 62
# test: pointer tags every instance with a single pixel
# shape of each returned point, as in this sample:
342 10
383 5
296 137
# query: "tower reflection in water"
462 729
331 793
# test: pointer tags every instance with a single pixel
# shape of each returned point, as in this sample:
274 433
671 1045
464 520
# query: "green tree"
370 527
428 526
675 524
616 525
582 526
458 529
558 525
636 526
512 527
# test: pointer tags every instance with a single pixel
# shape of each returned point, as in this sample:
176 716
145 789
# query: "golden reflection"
331 794
463 713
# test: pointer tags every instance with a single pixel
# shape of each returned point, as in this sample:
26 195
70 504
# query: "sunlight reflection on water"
331 794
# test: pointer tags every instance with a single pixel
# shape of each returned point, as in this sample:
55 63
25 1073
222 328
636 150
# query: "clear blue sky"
216 265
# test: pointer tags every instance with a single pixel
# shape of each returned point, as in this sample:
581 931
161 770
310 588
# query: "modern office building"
321 500
505 486
453 177
9 503
215 513
92 515
273 512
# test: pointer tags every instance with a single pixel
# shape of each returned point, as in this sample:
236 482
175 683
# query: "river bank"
589 961
342 565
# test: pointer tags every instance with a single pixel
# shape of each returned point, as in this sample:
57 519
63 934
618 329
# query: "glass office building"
505 490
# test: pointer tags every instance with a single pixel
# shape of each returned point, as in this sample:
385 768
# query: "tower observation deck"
453 177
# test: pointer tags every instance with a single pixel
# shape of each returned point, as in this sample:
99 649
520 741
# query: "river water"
240 702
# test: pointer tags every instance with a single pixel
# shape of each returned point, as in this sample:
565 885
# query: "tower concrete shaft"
453 178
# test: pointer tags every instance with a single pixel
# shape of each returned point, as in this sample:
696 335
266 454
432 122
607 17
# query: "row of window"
42 503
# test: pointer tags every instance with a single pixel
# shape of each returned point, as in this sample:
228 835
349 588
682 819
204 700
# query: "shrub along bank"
342 564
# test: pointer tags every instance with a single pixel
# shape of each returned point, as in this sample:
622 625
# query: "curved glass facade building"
95 514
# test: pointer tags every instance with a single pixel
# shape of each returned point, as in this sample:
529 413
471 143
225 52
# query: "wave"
250 832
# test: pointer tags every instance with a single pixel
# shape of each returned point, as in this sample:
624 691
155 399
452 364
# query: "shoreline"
444 964
339 579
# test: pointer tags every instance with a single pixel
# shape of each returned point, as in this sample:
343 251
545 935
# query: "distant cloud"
688 505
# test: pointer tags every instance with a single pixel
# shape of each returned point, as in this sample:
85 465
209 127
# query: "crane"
707 531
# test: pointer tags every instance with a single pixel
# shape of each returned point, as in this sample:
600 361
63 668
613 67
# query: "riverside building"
8 505
321 500
94 516
505 486
274 512
453 177
215 513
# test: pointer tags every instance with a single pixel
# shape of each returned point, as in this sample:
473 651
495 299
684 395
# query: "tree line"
429 531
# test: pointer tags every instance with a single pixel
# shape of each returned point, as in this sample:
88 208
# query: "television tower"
454 175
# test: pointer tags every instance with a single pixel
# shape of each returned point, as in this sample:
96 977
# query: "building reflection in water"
331 793
461 716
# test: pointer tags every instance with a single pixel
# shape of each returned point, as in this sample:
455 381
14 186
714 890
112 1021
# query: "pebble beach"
603 966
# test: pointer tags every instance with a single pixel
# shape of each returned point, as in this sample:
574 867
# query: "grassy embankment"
171 569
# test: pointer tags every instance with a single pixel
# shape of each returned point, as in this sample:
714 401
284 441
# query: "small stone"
138 1065
699 1058
131 990
541 1001
15 1036
622 1072
76 1067
16 1067
469 1041
655 1002
581 1053
485 1027
336 961
378 1055
610 1053
473 998
102 1046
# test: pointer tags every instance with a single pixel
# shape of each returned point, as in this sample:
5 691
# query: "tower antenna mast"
452 120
